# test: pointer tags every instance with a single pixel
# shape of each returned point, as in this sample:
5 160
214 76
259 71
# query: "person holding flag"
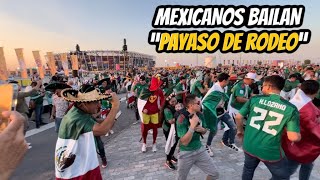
306 151
75 154
214 104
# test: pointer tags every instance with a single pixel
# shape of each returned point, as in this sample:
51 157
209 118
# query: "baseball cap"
251 75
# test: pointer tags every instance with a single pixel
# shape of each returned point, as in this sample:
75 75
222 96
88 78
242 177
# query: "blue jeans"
305 169
230 134
57 122
38 112
279 169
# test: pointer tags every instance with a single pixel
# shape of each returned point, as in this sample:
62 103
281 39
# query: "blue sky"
58 25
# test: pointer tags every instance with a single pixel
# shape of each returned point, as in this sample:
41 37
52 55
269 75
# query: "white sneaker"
154 148
150 131
111 131
209 151
235 147
136 122
144 147
107 134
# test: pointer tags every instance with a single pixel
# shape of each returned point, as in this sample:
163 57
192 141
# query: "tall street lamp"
124 49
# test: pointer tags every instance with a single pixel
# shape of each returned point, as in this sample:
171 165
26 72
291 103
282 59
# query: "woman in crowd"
168 123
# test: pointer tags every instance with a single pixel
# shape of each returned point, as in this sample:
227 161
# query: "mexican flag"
75 153
209 105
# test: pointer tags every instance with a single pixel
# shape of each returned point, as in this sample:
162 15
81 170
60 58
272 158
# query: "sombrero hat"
72 95
102 80
54 86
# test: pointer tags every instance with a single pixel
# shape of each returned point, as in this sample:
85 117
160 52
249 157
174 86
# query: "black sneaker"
104 162
174 160
169 165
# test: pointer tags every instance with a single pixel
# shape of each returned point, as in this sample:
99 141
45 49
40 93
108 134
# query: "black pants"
170 155
136 109
100 147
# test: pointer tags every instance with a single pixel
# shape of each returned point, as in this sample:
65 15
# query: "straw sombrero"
72 95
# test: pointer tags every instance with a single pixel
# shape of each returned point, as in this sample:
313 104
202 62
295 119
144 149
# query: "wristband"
191 130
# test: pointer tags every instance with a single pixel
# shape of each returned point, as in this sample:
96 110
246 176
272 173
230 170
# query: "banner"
37 59
51 63
118 67
3 66
74 62
65 64
22 64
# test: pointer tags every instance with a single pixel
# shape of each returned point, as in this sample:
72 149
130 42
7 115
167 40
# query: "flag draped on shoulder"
300 99
75 153
142 101
210 104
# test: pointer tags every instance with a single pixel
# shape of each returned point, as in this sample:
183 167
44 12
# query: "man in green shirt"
290 87
181 90
241 92
76 145
137 89
37 99
268 116
189 130
198 88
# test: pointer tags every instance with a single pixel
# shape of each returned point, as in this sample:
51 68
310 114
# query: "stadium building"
102 60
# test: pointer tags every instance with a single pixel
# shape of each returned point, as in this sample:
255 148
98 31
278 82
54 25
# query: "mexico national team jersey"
268 116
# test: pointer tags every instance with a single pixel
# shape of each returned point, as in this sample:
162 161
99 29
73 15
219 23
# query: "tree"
307 61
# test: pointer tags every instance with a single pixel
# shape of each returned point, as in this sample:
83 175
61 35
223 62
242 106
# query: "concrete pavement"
126 161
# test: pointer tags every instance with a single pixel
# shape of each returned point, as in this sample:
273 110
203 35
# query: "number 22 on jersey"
267 127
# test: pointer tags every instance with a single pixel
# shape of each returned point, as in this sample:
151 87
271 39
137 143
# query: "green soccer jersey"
167 91
179 87
239 90
288 86
183 127
268 115
139 87
195 89
167 116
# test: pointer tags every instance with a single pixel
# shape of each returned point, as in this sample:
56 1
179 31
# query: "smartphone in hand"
8 102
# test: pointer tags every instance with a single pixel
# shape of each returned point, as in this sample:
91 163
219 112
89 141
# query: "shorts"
153 118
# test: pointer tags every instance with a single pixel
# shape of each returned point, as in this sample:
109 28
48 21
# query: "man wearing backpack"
192 152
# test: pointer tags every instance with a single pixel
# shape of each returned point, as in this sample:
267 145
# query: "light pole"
124 49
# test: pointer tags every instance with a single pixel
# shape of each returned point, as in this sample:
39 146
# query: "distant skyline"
59 25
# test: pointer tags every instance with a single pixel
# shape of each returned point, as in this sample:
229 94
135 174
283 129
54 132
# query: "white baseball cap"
251 75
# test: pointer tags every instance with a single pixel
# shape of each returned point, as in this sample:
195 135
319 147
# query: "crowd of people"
274 112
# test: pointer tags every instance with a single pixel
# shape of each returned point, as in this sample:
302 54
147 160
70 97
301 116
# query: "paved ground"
38 163
127 162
